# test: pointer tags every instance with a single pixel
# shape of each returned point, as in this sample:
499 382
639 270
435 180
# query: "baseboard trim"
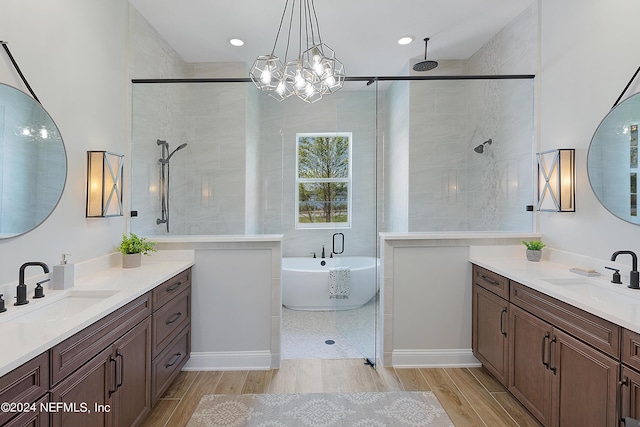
441 358
228 361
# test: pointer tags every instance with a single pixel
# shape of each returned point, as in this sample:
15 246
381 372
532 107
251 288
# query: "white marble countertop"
597 295
22 341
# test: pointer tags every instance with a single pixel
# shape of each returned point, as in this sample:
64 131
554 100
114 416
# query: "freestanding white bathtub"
305 282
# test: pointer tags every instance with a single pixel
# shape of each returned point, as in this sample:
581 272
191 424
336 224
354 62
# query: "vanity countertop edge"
24 341
534 275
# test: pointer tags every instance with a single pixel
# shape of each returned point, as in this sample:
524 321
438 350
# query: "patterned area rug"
402 409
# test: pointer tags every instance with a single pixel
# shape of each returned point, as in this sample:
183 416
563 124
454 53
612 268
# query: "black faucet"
634 276
323 251
21 290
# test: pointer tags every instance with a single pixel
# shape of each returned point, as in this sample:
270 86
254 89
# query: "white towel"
339 279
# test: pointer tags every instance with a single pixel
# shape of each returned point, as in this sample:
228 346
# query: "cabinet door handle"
174 287
121 356
490 281
544 347
174 319
502 331
174 361
551 368
115 372
623 383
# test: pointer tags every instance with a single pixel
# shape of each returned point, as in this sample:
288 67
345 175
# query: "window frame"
348 181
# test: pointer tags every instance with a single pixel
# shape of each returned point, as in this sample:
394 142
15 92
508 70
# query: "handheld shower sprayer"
164 180
180 147
480 148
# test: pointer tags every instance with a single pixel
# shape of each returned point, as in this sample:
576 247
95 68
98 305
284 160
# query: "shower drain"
329 342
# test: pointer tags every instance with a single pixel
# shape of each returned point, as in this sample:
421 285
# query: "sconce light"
557 180
104 184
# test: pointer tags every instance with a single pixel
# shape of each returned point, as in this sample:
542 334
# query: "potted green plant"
132 249
534 249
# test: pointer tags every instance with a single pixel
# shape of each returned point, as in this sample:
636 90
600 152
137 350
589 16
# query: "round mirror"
612 162
33 163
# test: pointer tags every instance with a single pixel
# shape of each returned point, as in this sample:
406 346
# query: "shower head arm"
426 40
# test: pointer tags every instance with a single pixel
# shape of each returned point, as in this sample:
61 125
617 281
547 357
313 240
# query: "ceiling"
363 33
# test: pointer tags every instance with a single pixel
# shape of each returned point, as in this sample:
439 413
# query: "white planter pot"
131 260
534 256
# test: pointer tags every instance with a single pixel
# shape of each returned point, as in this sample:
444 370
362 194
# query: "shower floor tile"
303 333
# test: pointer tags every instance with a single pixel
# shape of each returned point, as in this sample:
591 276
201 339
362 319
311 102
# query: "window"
323 180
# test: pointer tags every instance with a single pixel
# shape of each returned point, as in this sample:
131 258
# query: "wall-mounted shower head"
425 65
480 148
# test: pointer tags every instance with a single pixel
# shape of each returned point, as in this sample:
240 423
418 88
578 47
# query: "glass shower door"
355 248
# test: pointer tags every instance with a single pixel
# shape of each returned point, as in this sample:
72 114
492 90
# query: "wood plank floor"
471 396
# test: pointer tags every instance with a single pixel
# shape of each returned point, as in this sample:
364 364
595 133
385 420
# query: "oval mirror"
33 163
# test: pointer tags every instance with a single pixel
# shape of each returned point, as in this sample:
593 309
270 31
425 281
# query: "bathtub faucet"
323 251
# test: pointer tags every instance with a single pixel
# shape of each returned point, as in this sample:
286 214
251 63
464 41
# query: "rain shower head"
425 65
480 148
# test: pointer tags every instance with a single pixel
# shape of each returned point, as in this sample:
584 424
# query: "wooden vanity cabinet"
563 363
108 373
630 375
529 374
560 379
25 384
490 323
31 419
117 379
171 338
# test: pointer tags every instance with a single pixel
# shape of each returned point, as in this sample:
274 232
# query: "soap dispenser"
63 275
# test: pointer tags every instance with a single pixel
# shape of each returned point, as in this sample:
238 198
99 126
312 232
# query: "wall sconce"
104 184
557 180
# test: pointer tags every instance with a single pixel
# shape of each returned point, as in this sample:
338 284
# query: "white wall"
74 55
589 51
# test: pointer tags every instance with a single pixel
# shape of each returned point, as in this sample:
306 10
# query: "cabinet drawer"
591 329
76 350
36 419
170 319
631 348
491 281
25 384
167 365
169 289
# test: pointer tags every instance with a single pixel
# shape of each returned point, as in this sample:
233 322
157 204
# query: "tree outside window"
323 180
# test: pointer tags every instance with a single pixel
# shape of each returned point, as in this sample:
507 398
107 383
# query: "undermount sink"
60 309
595 291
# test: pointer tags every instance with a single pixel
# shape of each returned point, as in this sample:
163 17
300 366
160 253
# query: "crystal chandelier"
313 73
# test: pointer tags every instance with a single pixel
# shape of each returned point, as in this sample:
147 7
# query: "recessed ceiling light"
236 42
405 39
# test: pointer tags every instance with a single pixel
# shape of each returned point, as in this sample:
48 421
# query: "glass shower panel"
356 254
228 177
465 155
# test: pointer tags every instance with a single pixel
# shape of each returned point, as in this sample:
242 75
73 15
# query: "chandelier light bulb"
265 77
300 82
309 89
330 80
317 56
